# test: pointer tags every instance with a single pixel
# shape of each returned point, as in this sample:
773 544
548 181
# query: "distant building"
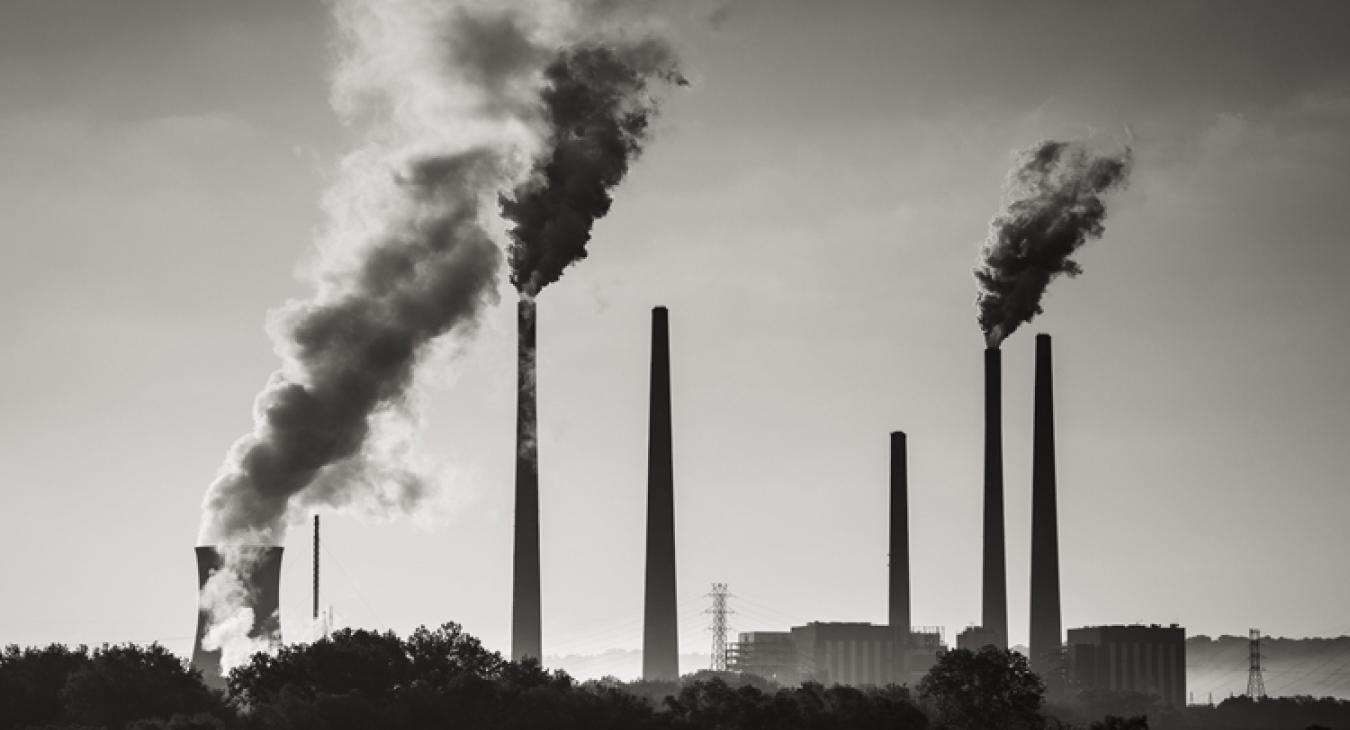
1137 658
768 654
858 654
974 638
925 646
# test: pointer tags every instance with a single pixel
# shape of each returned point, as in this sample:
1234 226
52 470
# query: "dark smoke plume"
597 112
1053 205
447 93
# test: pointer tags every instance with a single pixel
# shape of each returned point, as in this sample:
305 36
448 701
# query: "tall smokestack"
660 647
261 594
898 613
1045 620
526 638
315 613
995 593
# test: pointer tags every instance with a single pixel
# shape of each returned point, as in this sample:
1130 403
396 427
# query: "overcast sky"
810 211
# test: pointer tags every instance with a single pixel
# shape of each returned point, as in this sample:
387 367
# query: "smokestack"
995 593
526 638
262 595
660 648
898 613
1045 619
315 614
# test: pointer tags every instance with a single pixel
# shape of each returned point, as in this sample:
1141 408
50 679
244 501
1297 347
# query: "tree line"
445 678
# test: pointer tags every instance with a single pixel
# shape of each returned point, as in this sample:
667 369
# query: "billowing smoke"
597 112
447 97
1052 206
455 99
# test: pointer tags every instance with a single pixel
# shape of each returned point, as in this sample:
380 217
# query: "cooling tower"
898 610
264 597
994 616
660 647
526 638
1045 619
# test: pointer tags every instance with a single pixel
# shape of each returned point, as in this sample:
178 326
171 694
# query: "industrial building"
768 654
974 638
852 653
1136 658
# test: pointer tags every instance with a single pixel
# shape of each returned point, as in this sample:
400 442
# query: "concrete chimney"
1046 639
995 594
660 643
526 638
898 614
899 563
264 597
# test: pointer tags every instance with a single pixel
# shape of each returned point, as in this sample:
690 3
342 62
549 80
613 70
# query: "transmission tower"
1256 686
719 612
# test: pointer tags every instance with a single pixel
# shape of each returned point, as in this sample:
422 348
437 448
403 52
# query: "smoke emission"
1052 206
447 95
454 99
597 114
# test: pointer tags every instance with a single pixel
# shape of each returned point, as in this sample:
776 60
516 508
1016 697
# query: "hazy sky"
810 211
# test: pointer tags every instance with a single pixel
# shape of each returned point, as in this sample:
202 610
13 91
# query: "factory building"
768 654
1136 658
974 638
857 654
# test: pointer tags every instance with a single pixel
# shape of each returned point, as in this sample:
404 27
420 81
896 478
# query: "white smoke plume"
446 97
445 94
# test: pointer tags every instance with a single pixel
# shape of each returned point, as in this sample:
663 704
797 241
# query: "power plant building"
768 654
851 653
974 638
1135 658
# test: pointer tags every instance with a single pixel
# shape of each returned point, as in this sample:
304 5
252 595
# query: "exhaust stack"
898 613
660 642
526 638
264 597
1045 616
995 594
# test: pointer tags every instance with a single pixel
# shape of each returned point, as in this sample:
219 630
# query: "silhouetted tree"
31 681
120 684
992 689
715 705
1114 722
115 686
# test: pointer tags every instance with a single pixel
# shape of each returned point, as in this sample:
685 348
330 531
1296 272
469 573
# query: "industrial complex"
1145 659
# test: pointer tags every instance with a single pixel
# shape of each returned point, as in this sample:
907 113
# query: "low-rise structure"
1135 658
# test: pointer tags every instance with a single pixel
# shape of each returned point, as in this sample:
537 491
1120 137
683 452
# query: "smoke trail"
597 112
1053 205
447 95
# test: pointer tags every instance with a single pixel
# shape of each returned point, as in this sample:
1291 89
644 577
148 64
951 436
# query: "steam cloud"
597 113
1053 205
456 99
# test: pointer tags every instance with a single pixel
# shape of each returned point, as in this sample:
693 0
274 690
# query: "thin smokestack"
898 614
526 639
660 643
1045 618
315 613
995 593
261 594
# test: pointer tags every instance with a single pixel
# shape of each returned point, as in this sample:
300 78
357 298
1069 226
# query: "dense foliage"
444 678
114 686
992 689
